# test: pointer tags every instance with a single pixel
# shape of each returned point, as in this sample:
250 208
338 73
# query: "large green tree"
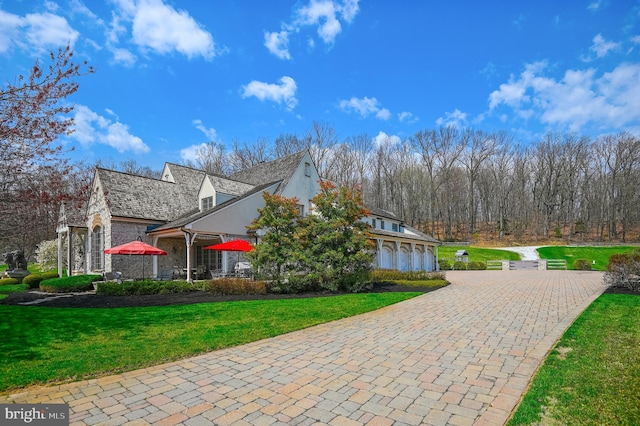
337 244
329 249
276 256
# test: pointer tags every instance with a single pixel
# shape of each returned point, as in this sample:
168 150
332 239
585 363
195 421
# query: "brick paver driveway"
461 355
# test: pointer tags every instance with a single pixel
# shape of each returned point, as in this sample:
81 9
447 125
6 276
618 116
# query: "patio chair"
165 275
201 271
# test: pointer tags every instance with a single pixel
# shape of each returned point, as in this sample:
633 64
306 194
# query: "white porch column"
225 254
60 254
436 265
154 242
70 252
189 239
425 259
396 256
412 266
379 244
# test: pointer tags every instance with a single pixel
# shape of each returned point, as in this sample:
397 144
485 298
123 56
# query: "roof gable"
277 170
228 186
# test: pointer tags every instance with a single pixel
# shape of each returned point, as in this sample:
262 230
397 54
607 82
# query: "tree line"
457 184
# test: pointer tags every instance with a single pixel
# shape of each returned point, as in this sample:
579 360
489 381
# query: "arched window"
97 248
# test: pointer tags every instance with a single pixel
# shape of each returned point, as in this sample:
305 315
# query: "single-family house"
187 210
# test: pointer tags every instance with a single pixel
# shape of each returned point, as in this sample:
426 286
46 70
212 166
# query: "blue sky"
172 75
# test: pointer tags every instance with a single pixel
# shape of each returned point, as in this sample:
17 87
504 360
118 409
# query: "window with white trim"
207 203
97 248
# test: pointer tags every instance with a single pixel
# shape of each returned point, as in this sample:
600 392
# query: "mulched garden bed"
99 301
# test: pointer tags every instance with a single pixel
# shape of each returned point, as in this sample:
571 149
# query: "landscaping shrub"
425 283
69 284
460 266
137 288
444 265
582 265
356 282
477 266
294 284
49 274
623 271
9 281
393 275
228 286
33 280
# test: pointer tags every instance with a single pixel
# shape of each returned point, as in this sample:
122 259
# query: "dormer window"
394 227
207 203
373 223
381 224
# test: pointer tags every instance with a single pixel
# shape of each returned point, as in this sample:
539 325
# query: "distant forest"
466 184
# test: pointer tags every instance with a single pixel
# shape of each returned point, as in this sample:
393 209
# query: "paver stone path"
461 355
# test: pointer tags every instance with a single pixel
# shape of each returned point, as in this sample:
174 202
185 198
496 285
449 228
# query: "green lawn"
5 290
40 344
477 254
592 377
571 254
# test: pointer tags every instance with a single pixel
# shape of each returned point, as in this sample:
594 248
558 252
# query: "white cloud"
35 32
602 47
595 5
514 92
91 128
192 153
123 56
157 27
456 118
210 132
383 139
323 14
406 116
77 7
285 92
578 99
164 29
278 43
365 107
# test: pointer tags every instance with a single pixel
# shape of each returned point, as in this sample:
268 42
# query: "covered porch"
187 257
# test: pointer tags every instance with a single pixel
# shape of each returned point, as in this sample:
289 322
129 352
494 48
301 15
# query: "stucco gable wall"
98 214
206 190
235 218
303 187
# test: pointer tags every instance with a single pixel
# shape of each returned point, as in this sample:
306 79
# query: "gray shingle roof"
381 213
140 197
413 234
278 170
228 186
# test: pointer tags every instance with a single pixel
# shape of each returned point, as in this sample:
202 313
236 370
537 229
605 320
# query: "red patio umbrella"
138 248
233 245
